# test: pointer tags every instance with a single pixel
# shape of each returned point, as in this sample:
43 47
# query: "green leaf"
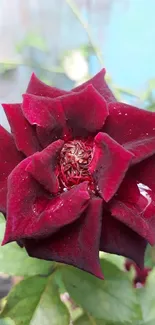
89 320
146 298
6 321
112 299
86 319
32 40
151 107
127 92
36 301
15 261
118 260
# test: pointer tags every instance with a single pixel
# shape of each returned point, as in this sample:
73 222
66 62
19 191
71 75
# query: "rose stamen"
74 161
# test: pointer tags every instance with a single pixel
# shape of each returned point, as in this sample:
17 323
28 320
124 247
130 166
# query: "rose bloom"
77 175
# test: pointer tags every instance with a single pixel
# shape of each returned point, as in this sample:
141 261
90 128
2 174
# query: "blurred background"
65 42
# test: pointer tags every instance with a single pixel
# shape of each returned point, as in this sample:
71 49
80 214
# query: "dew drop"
145 191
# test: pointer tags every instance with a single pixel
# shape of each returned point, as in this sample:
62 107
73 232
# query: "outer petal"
144 172
25 201
43 166
24 134
100 85
116 238
9 158
132 127
47 115
31 214
134 205
76 244
85 111
141 149
109 165
39 88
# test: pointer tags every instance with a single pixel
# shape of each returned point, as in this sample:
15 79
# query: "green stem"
92 321
77 14
14 63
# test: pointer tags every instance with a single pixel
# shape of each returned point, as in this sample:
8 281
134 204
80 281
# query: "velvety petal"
39 88
132 127
141 149
31 214
100 85
47 114
109 165
24 134
85 111
25 202
134 205
43 166
9 158
117 238
76 244
144 172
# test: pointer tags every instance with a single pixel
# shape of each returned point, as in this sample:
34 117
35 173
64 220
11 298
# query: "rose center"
74 161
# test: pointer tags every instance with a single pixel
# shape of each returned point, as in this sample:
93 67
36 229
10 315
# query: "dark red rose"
140 276
77 175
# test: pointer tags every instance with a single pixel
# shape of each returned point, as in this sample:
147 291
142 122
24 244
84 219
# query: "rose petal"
141 149
144 172
132 127
100 85
39 88
23 192
76 244
85 111
31 214
61 211
24 134
109 165
47 114
9 158
127 123
134 205
43 166
116 238
42 111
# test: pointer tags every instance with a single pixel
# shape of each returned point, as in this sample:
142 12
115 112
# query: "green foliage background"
39 297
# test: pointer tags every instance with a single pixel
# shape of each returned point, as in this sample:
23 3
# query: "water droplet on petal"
145 191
